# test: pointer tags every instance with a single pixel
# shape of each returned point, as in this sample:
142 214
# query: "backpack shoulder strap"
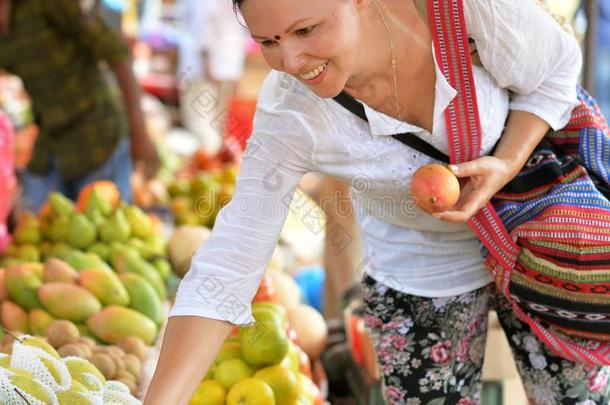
448 27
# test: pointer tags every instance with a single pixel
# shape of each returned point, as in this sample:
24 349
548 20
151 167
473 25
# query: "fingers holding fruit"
436 188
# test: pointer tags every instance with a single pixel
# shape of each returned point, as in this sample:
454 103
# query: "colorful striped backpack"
546 235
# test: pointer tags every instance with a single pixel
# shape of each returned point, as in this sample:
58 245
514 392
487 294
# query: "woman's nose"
294 61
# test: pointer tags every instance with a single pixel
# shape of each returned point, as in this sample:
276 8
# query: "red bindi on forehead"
277 37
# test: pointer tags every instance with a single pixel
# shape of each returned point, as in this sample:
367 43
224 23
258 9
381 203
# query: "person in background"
342 258
212 51
86 132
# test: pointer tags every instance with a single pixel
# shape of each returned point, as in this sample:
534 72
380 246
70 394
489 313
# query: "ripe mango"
157 243
127 263
116 228
143 297
68 301
27 253
22 283
60 205
14 317
113 323
95 203
56 228
27 229
100 249
105 285
81 231
140 223
118 250
163 267
39 319
81 261
60 250
144 250
56 270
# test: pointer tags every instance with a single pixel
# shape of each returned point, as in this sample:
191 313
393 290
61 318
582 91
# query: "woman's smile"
316 75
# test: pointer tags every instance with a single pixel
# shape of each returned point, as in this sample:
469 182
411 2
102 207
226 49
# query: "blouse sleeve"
227 269
529 53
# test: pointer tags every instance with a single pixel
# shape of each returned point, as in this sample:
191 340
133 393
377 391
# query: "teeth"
314 73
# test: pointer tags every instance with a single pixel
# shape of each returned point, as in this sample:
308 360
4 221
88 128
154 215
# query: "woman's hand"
487 175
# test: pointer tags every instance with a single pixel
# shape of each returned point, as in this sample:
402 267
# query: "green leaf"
437 401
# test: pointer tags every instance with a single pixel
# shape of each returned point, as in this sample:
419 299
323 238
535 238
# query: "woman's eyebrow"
287 29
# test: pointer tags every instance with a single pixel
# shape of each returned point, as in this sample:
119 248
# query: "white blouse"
296 132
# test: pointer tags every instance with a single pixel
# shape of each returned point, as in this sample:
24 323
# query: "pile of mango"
34 374
104 269
197 197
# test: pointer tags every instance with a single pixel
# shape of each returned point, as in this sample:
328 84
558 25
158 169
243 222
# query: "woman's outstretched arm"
189 347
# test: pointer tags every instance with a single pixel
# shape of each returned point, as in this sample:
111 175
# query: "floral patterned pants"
430 351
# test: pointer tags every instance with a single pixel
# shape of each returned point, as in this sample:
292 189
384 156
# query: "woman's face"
316 41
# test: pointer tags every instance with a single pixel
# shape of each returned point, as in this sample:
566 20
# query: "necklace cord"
395 80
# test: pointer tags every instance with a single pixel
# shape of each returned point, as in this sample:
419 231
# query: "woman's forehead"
284 11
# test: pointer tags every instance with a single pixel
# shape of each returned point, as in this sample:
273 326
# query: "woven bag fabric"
546 235
559 215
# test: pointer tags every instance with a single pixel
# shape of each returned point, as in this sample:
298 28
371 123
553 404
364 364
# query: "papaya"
22 283
105 285
143 297
113 323
68 301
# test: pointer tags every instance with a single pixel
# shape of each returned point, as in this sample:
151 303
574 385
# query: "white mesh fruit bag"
91 381
45 368
116 392
13 395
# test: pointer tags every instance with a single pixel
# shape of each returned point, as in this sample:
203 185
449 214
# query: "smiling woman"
427 289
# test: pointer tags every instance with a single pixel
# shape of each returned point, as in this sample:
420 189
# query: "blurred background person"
212 52
87 131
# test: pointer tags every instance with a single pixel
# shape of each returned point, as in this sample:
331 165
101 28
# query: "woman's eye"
267 43
306 30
